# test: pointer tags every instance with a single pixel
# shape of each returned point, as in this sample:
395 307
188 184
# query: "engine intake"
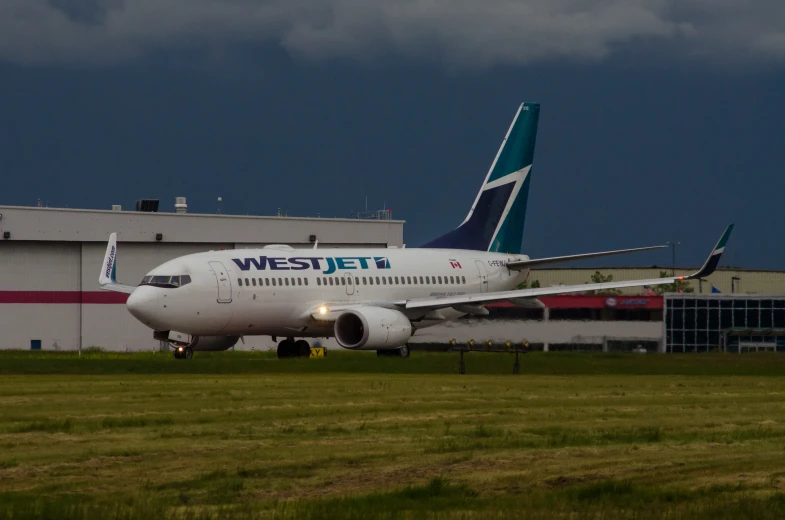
372 328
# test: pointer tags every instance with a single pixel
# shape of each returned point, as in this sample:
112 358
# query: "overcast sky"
661 119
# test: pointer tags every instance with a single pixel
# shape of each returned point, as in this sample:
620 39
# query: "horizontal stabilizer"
519 265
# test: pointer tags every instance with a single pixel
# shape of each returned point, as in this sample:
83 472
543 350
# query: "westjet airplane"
367 299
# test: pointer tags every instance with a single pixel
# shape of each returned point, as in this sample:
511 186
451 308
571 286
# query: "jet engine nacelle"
213 343
197 343
372 328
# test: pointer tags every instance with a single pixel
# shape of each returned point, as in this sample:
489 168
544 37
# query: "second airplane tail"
495 221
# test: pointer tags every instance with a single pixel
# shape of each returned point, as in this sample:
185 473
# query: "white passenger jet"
366 298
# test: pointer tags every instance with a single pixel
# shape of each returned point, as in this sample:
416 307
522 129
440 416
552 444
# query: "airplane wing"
519 265
473 299
107 279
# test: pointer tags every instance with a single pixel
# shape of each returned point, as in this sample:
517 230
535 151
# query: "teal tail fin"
495 221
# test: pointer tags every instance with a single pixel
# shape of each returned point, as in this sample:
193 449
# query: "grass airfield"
244 435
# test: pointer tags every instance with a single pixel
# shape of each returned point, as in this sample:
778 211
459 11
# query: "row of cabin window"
383 280
394 280
281 282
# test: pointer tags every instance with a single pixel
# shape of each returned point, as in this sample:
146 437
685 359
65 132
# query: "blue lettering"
330 266
245 263
279 264
315 261
299 264
303 263
346 263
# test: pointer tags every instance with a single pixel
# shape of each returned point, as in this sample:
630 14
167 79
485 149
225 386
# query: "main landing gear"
289 348
181 352
402 352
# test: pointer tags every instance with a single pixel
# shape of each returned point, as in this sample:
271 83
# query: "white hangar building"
50 259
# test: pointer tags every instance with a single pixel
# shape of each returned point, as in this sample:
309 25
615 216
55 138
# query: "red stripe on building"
582 301
71 297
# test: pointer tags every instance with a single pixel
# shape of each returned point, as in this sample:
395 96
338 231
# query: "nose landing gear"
181 352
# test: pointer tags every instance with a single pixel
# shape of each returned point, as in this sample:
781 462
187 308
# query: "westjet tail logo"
328 265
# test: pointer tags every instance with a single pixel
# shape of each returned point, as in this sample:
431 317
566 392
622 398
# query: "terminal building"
50 259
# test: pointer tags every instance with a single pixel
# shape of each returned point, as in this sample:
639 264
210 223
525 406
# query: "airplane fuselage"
273 290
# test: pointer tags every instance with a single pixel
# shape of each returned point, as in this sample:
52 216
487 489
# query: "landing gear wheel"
302 348
404 351
177 354
188 353
286 349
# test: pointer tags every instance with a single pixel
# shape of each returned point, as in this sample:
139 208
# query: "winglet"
714 258
109 267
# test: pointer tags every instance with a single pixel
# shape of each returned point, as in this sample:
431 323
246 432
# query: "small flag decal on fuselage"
455 264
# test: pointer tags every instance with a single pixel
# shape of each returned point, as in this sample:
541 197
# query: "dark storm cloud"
458 32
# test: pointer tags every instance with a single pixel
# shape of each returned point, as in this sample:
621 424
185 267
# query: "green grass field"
242 435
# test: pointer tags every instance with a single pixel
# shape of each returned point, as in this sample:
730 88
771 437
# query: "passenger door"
223 281
483 275
349 284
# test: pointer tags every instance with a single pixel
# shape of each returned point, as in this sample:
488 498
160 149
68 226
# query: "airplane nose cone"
143 304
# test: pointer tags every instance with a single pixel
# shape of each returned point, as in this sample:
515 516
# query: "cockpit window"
169 282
